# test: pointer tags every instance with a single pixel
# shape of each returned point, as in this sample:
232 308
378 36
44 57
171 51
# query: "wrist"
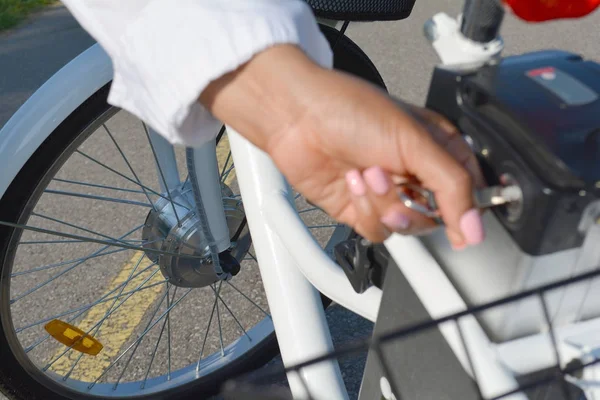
266 96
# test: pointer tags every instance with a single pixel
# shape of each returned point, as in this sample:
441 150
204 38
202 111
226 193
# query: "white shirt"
165 52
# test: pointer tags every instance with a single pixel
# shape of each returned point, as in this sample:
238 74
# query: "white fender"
50 105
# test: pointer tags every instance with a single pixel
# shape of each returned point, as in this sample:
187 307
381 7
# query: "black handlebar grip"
482 20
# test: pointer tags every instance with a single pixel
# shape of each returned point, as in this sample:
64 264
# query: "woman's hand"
342 143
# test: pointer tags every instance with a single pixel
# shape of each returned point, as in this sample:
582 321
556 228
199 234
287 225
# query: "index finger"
440 172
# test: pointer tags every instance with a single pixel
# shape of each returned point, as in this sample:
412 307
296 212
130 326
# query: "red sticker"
541 71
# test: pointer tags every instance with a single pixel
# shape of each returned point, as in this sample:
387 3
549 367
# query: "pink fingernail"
459 247
355 183
395 220
377 180
472 227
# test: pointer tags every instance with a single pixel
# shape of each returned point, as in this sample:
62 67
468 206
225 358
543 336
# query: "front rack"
556 380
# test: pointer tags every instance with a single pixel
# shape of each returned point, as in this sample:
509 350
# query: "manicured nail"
355 183
395 220
377 180
472 227
459 247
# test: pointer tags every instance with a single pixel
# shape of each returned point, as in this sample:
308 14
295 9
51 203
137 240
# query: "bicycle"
196 231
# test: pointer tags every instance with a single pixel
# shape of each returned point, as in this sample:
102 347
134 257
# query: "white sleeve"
166 52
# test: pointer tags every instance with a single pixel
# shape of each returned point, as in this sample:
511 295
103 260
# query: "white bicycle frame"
293 266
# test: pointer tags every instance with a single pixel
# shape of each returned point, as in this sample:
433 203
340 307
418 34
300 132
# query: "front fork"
206 173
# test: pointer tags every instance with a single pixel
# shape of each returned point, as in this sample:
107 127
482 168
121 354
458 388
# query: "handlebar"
482 19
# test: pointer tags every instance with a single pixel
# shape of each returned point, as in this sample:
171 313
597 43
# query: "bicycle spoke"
248 298
162 176
139 339
74 226
232 315
83 310
54 277
224 176
63 263
96 185
169 334
225 165
105 314
86 307
138 344
99 322
50 241
127 178
185 182
308 210
94 240
322 226
139 182
162 330
212 313
66 376
68 241
100 198
220 330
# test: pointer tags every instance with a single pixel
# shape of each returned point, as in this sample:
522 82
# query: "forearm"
265 96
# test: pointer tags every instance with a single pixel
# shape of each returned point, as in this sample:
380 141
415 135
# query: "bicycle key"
497 195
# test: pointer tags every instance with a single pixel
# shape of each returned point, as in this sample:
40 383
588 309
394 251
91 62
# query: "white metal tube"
316 266
167 163
440 298
295 305
535 352
207 175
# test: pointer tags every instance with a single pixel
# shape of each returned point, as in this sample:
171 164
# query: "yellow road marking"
119 326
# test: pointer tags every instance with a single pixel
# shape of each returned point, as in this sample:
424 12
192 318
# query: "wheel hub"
163 232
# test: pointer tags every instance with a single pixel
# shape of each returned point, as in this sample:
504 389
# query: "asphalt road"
32 52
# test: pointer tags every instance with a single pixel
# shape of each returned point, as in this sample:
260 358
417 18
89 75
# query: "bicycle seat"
362 10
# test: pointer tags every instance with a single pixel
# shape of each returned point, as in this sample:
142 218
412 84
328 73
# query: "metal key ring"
429 209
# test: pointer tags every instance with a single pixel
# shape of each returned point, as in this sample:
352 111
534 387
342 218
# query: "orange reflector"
74 337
